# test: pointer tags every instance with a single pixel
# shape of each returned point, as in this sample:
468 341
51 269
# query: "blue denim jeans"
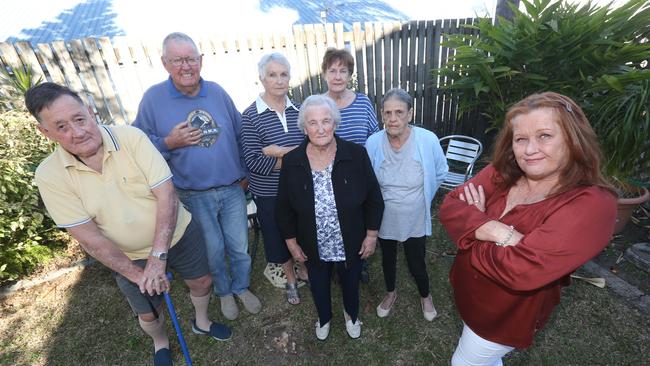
221 213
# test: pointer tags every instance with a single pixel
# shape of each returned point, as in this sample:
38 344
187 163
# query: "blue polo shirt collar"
175 93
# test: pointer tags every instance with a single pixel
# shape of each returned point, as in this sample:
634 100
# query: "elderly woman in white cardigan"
410 166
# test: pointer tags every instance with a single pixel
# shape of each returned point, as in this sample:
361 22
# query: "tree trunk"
503 9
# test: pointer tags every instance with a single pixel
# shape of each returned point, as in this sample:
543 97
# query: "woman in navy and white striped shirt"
358 117
270 130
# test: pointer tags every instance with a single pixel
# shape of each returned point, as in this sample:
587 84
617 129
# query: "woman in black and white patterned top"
329 210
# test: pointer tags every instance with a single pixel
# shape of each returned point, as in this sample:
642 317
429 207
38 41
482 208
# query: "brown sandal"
293 297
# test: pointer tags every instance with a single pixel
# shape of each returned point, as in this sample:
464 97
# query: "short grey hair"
399 94
177 37
272 57
315 101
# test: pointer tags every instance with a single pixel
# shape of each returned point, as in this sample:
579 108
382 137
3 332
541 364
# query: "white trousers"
473 350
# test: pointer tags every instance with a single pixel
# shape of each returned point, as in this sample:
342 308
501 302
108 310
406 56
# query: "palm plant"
622 118
587 52
16 85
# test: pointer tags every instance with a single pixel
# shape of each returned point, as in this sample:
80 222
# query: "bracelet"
505 241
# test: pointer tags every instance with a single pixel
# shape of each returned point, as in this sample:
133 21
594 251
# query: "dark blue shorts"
187 257
275 247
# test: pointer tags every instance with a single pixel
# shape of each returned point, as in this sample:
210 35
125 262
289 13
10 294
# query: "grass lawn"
82 319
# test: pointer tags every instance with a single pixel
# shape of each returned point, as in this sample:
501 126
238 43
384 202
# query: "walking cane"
179 332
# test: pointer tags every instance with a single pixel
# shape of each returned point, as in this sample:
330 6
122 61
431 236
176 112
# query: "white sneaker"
322 332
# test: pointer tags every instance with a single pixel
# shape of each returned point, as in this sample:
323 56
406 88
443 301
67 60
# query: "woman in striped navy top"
270 130
358 117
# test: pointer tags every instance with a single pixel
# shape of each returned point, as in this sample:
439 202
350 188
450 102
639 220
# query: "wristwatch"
158 254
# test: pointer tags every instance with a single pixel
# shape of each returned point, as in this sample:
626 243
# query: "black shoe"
220 332
163 357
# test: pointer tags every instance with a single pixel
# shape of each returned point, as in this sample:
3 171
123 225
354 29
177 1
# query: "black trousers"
320 274
415 252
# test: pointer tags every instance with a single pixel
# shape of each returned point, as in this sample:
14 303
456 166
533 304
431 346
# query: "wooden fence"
112 75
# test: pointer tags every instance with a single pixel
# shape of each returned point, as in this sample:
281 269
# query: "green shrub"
592 54
27 235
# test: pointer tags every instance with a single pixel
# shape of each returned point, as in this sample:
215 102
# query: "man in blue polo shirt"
196 127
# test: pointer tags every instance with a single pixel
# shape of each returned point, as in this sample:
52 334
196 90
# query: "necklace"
530 196
318 159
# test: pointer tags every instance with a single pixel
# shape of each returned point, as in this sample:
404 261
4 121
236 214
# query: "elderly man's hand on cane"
153 280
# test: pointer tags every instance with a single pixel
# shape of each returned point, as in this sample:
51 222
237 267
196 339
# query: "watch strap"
159 254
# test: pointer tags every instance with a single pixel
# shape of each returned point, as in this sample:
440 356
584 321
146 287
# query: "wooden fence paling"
383 35
28 57
116 74
412 70
104 82
69 69
112 75
47 57
312 57
89 81
329 36
370 67
420 71
144 66
380 75
299 38
395 43
466 32
131 79
403 52
340 35
428 82
358 41
435 62
321 48
449 97
290 53
442 94
10 56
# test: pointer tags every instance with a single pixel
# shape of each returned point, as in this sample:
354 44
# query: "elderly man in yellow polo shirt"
112 190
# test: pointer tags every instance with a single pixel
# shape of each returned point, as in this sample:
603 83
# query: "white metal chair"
461 153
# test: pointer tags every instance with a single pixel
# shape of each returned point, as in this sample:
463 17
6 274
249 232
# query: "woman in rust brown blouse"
523 224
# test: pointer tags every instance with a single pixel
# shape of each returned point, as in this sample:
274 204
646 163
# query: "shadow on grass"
98 326
84 320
